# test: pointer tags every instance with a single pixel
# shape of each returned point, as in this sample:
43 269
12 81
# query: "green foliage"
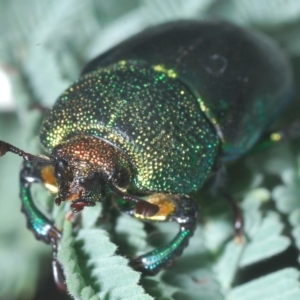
91 268
283 284
43 45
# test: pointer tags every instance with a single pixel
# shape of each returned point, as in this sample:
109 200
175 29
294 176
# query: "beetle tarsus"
3 148
58 276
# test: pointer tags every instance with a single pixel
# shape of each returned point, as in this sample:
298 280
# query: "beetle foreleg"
38 223
179 208
56 268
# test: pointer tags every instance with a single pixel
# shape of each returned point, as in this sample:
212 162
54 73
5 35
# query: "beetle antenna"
6 147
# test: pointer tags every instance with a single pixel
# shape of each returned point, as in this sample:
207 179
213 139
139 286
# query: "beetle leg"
179 208
56 268
218 188
38 223
237 216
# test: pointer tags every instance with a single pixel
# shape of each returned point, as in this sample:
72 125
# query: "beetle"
150 120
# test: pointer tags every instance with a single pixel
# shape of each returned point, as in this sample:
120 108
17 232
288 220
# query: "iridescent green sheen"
160 256
37 222
148 114
241 78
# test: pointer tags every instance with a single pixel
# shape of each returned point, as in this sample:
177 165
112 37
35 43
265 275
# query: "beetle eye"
62 171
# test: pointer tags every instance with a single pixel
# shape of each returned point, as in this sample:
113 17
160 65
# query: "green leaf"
130 235
90 267
266 242
280 285
88 293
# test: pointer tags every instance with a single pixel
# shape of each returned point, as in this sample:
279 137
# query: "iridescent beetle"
151 120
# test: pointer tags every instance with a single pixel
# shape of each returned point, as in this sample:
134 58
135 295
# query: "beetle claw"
3 148
55 233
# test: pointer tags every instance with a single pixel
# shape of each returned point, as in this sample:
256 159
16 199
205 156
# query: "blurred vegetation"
43 46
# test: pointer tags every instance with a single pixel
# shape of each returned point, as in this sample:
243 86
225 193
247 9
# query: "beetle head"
86 168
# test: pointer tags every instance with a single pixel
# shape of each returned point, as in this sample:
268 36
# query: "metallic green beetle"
149 120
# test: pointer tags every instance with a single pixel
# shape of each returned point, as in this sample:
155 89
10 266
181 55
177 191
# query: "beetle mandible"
149 120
